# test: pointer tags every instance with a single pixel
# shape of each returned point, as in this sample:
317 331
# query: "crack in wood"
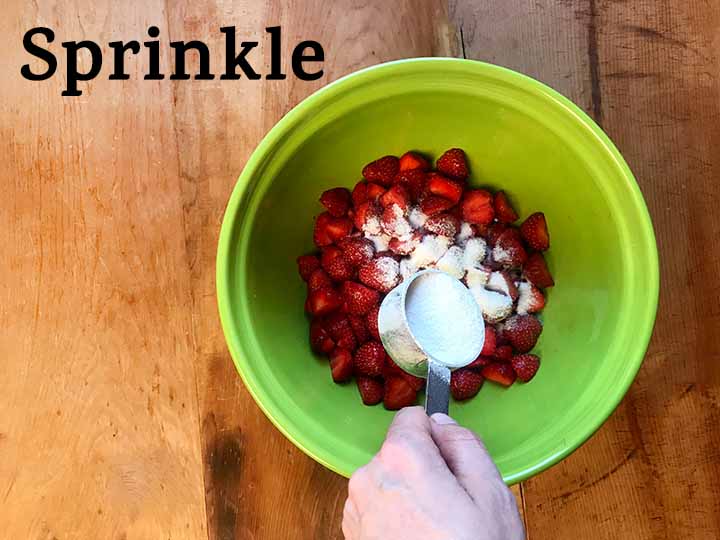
594 61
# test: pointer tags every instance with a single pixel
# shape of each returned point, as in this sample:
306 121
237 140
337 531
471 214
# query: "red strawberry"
504 212
398 194
357 323
334 263
531 299
443 224
410 161
318 280
453 163
536 270
414 180
358 298
501 281
391 369
323 301
398 394
525 366
341 365
479 363
359 193
382 170
465 383
329 229
374 191
370 359
405 247
371 390
357 250
336 200
509 250
372 322
522 331
417 383
381 274
394 222
443 187
338 326
477 206
320 340
490 340
307 264
494 231
534 232
431 205
499 372
366 211
503 353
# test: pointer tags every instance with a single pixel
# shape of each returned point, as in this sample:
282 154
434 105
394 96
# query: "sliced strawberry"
443 187
359 328
307 264
503 353
453 163
323 301
525 366
477 206
536 270
410 161
501 281
414 180
320 233
395 223
359 193
367 211
357 250
479 363
398 194
336 200
359 299
494 230
338 228
370 359
340 330
522 331
320 340
391 369
490 340
443 224
405 246
372 322
371 390
465 383
535 233
382 170
531 298
509 250
504 212
381 274
398 394
500 373
417 383
334 263
432 204
341 365
318 280
374 191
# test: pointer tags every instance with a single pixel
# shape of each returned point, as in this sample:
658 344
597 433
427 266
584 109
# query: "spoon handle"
437 394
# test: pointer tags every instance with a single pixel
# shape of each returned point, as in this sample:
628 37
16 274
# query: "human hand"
431 480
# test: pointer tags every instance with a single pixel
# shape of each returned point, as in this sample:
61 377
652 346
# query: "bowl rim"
243 190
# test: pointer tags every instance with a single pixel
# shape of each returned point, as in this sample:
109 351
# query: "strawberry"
406 246
307 264
500 373
338 326
443 187
494 230
394 222
431 205
477 206
536 270
465 383
359 299
503 353
382 170
370 359
443 224
357 250
410 161
531 298
490 340
398 394
320 340
323 301
479 363
338 228
381 274
398 194
534 232
318 280
391 369
365 212
357 323
509 250
371 390
453 163
329 229
417 383
374 191
504 212
359 193
341 365
414 180
501 281
334 263
336 200
522 331
525 366
371 320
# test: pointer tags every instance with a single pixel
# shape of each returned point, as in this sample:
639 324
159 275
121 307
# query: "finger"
410 419
351 520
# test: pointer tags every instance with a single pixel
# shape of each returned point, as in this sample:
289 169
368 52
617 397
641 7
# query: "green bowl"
520 136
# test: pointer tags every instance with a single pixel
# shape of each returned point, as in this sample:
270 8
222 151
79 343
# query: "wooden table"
121 415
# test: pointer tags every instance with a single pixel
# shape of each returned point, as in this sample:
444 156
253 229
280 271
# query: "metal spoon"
411 353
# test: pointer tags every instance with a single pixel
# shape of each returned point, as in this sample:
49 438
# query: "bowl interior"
520 136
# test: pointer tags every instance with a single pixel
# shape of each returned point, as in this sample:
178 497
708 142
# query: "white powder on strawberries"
388 270
397 226
372 226
452 262
477 277
429 250
407 268
525 295
466 232
417 217
474 253
380 241
495 306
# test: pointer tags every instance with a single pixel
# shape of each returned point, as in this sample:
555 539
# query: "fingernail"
440 418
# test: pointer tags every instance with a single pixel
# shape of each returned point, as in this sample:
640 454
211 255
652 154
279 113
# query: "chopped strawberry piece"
307 264
372 322
477 206
359 193
398 194
443 187
381 274
359 299
336 200
490 340
395 223
320 233
494 230
503 353
509 250
501 281
374 191
338 228
531 298
323 301
536 270
398 394
359 328
414 180
365 212
341 365
410 161
334 263
405 246
443 224
382 170
357 250
320 340
340 330
535 233
318 280
371 390
391 369
417 383
431 205
522 331
504 212
370 359
479 363
465 383
499 372
453 163
525 366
